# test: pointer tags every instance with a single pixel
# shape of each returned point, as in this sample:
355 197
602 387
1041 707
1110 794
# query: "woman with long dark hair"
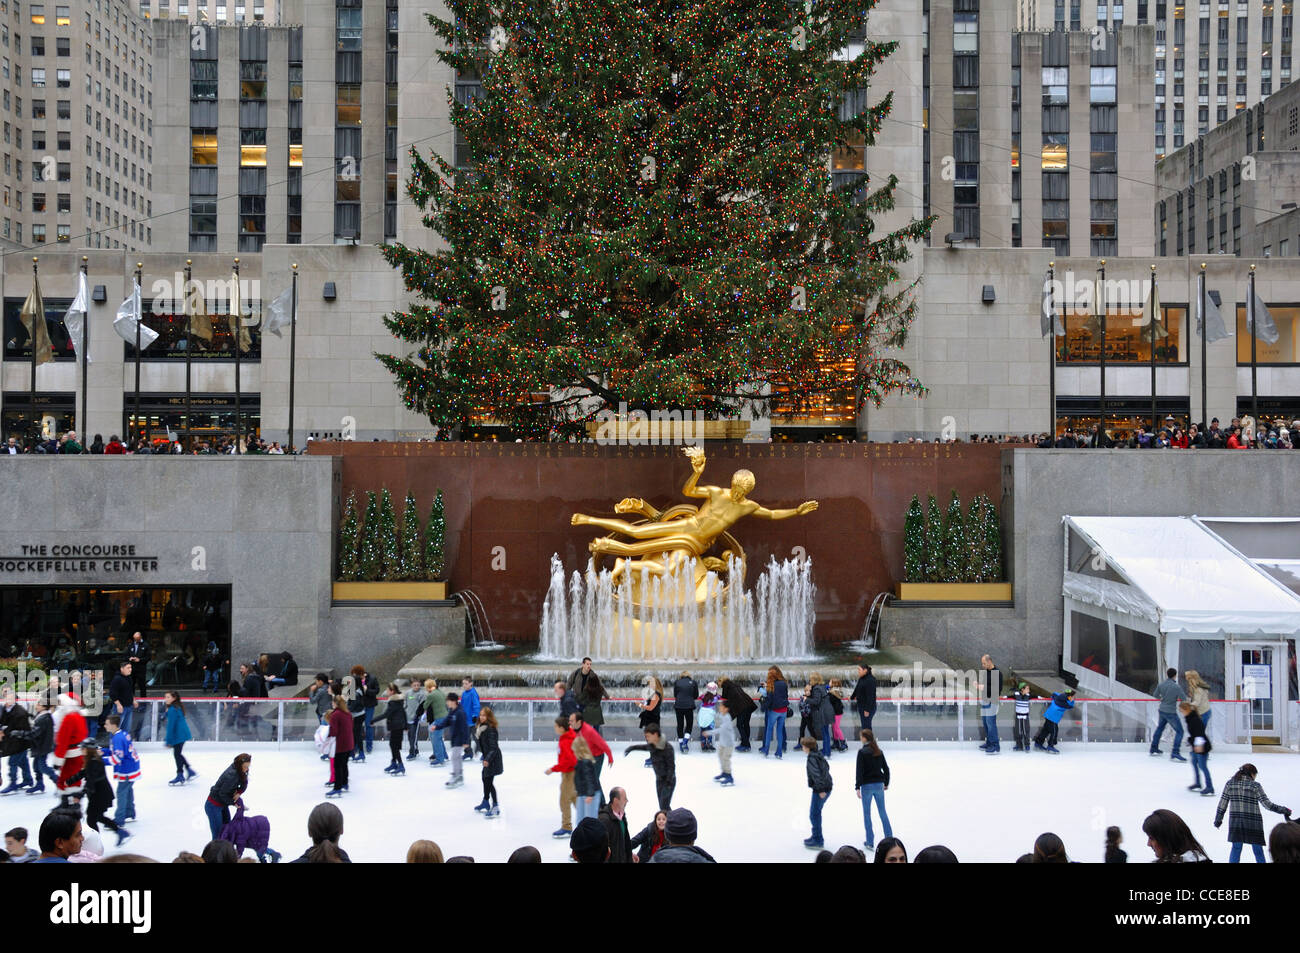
890 851
777 697
324 827
342 722
178 732
1241 800
489 750
1049 849
226 793
1171 840
872 782
652 838
593 694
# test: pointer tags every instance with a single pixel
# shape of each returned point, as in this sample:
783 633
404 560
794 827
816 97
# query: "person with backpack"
1061 703
821 783
685 692
395 723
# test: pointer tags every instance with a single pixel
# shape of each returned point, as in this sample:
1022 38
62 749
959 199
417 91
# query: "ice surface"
986 808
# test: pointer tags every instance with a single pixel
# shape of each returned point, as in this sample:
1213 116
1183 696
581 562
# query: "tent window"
1135 659
1090 642
1088 561
1204 656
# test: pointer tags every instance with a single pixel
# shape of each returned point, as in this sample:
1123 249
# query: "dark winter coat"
229 786
650 840
395 716
254 686
819 706
1241 799
569 704
584 777
872 768
16 724
244 831
778 699
459 726
489 749
212 662
864 694
368 691
99 793
685 691
661 759
682 854
122 689
591 710
819 773
837 703
738 701
620 841
178 729
1196 729
41 735
289 672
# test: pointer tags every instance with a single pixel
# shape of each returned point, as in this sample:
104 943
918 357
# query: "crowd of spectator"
68 443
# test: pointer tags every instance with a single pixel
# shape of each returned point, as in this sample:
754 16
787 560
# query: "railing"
294 720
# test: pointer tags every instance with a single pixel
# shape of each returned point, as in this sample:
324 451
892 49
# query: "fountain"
665 598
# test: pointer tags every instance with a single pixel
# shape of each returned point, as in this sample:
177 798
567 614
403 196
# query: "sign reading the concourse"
78 558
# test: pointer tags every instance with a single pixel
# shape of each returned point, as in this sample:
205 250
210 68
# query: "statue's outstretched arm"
764 513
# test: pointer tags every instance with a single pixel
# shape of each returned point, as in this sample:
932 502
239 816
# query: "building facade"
77 113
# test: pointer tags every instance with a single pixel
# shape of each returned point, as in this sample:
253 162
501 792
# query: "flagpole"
293 345
139 318
239 318
1254 333
35 317
1155 420
1051 338
1101 308
189 347
1205 327
84 422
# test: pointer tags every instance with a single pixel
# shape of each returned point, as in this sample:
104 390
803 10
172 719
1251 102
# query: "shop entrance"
89 628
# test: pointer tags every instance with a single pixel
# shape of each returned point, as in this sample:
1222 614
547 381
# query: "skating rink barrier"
1129 720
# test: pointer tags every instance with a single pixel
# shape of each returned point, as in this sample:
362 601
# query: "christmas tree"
914 543
933 541
348 541
435 539
973 544
370 559
992 549
954 543
412 552
646 215
390 547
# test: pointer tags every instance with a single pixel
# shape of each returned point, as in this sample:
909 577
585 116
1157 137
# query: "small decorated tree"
435 539
914 543
974 541
954 542
389 546
412 551
933 541
992 548
347 569
370 559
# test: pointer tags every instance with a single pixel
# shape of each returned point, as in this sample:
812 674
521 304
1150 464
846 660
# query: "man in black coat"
138 654
614 817
121 697
14 727
864 694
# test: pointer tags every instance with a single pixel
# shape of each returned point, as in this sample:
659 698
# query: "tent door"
1258 676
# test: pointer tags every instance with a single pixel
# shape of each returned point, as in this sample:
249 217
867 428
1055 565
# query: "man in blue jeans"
821 783
990 691
121 693
1170 695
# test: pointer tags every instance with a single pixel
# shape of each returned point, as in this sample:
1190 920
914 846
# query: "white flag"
1151 315
1049 322
129 317
278 313
1210 324
75 318
1262 325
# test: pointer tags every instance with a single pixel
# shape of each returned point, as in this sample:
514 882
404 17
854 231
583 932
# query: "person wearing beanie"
1061 703
589 843
680 831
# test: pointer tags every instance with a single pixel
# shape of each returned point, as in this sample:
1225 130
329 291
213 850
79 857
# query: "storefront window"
88 628
212 418
1127 341
54 414
1285 350
172 326
18 343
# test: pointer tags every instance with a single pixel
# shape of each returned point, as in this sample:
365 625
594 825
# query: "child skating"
395 722
1022 696
489 749
1061 703
725 735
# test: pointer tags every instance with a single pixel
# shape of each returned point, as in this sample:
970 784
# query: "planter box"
390 591
954 591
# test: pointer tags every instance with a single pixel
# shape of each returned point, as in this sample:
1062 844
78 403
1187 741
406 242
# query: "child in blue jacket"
1061 703
456 717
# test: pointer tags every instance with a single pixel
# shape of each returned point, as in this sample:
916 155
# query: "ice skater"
685 692
872 782
1200 749
663 762
584 779
470 701
395 723
990 692
342 728
99 793
126 769
15 725
1170 695
836 696
456 719
821 783
1061 703
1022 696
41 739
489 749
564 765
176 735
415 695
1241 800
726 739
708 715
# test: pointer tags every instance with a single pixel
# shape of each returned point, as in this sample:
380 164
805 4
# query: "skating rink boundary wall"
1093 720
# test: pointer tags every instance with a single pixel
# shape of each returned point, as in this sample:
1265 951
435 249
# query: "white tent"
1143 594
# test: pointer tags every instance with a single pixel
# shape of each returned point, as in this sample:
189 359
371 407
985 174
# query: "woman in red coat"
340 722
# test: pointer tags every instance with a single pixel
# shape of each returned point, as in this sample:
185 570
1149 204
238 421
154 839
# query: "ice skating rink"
986 808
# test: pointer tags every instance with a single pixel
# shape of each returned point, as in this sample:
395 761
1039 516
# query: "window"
295 82
252 79
65 171
38 109
38 78
203 147
1136 662
349 29
1284 351
63 78
65 202
64 141
64 109
1090 642
63 46
62 232
348 110
38 202
38 233
62 17
38 46
38 13
203 79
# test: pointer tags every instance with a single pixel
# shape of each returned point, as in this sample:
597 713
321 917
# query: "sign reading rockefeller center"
78 558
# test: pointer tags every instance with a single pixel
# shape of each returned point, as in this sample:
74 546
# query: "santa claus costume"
70 731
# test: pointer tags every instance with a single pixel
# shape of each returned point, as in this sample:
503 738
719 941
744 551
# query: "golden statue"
682 532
